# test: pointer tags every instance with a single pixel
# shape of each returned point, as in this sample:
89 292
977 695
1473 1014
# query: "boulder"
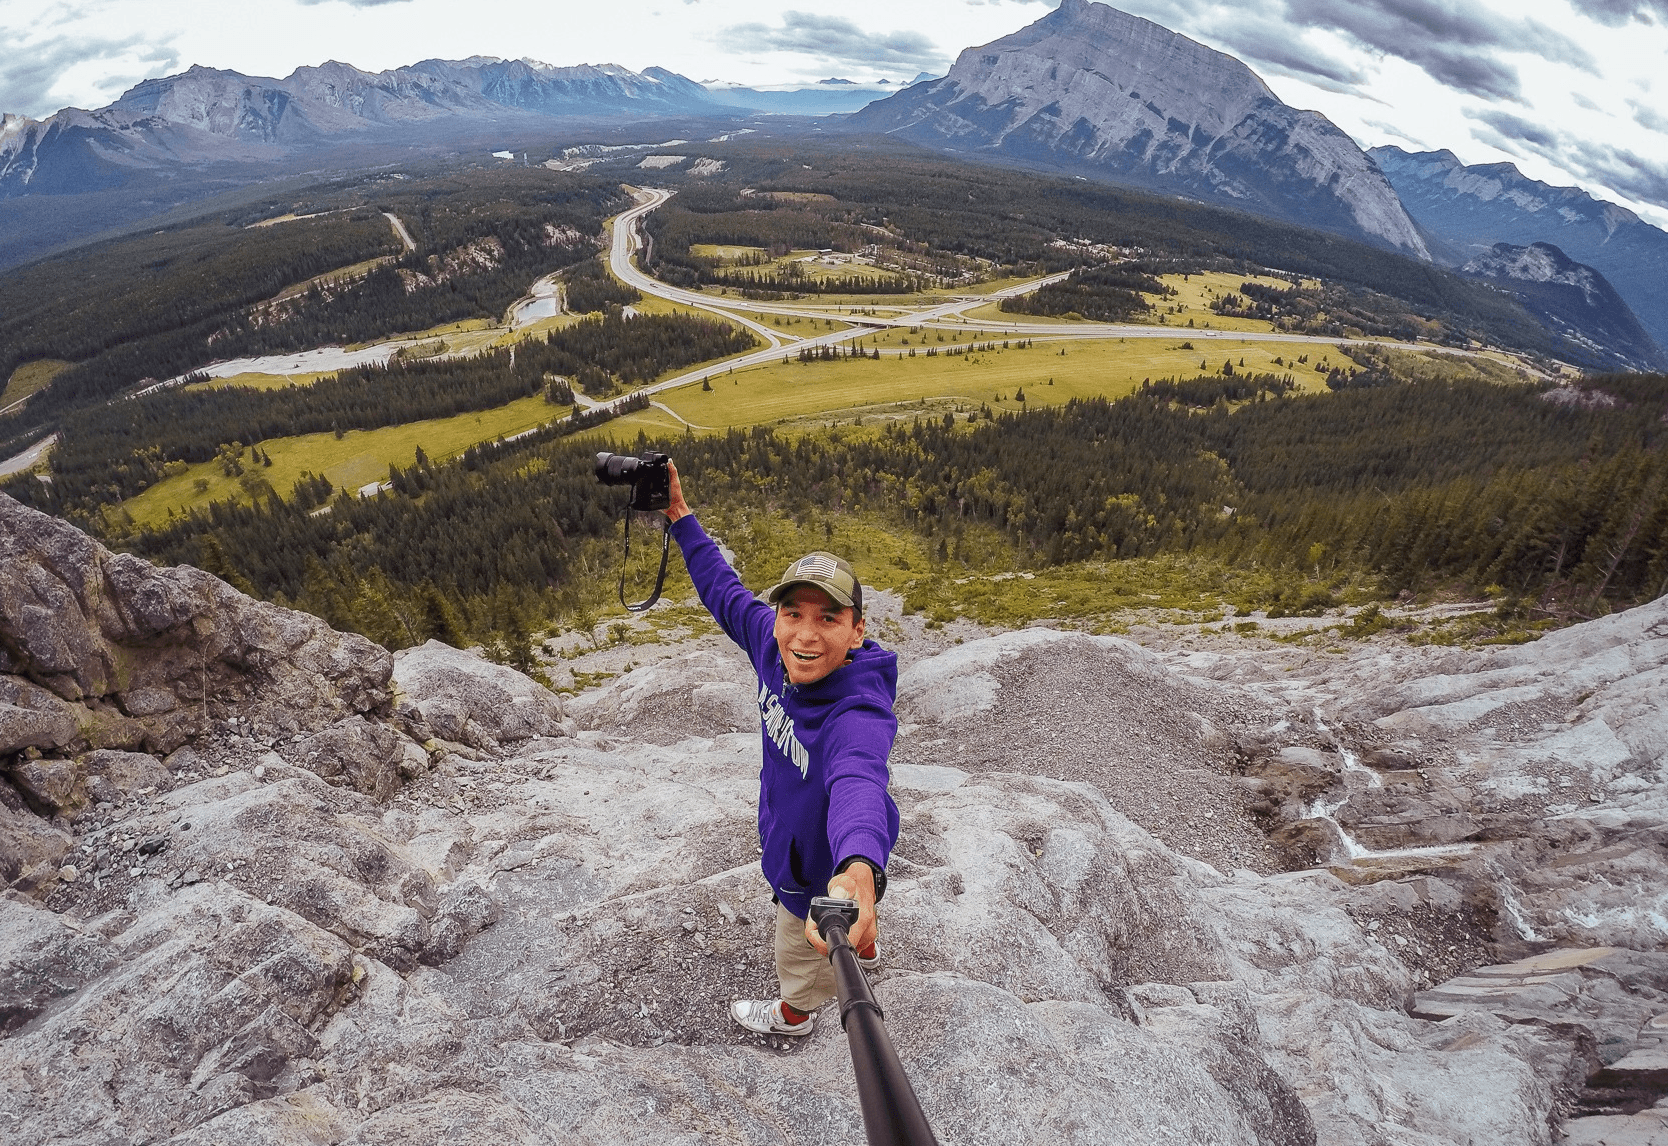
159 655
706 692
114 776
360 753
52 786
465 697
32 717
31 850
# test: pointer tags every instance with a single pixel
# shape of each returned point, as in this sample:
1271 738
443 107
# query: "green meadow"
356 459
992 377
30 377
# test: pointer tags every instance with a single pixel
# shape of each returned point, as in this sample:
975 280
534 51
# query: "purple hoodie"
822 790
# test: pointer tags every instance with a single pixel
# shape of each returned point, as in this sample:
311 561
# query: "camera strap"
660 578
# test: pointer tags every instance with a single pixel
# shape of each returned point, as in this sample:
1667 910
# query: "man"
825 703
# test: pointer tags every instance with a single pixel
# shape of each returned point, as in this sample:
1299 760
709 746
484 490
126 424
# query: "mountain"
1471 208
206 116
1092 89
1575 302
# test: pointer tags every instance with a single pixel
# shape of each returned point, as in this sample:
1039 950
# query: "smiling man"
825 706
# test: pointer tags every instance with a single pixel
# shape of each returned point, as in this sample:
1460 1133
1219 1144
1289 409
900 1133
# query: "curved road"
627 241
947 315
20 462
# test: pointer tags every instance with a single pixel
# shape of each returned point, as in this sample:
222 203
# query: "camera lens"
617 469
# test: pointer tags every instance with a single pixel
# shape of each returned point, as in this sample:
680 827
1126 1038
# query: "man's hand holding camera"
676 506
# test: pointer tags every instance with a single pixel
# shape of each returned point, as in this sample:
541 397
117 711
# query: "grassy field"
480 332
725 254
337 276
30 377
989 286
357 458
1197 292
818 266
621 433
1192 301
1086 369
992 312
790 325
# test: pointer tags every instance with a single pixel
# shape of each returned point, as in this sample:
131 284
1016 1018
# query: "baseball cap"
833 575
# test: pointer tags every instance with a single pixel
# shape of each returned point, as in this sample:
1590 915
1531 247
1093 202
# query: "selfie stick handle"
892 1114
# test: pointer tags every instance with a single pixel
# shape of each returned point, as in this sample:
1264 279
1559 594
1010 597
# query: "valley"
231 454
948 349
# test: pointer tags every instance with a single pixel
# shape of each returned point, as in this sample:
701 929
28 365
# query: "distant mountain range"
205 115
1470 209
832 96
1089 88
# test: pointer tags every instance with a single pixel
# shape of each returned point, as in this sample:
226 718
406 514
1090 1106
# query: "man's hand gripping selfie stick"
891 1113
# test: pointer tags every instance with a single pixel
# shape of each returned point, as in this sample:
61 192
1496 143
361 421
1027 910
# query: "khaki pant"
807 978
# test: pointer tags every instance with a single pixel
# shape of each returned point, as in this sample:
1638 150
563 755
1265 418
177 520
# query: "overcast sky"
1572 93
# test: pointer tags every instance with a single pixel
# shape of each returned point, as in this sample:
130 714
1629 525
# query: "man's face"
814 633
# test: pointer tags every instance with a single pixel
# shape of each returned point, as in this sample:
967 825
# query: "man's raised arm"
744 619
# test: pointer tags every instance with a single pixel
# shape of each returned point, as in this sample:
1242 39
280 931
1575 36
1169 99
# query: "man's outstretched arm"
744 619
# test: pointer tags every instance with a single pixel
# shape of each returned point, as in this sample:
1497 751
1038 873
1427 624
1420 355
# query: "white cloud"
62 57
834 40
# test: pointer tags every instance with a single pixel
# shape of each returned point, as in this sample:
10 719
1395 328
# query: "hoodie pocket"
796 867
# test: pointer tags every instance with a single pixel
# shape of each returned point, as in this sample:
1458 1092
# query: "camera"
649 477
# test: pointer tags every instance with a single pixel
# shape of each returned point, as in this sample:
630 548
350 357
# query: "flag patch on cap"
816 565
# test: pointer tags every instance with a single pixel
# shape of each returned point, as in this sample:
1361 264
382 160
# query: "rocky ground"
268 884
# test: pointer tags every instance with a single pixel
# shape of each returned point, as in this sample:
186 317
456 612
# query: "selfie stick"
891 1113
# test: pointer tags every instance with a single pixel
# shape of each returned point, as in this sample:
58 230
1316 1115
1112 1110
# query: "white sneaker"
765 1017
872 961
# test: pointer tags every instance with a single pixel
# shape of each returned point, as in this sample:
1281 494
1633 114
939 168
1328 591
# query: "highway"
948 315
627 241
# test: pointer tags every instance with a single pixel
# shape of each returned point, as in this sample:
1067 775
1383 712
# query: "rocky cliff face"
1471 208
375 896
1575 302
1091 88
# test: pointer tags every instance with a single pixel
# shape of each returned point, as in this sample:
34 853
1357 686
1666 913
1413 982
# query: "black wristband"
880 873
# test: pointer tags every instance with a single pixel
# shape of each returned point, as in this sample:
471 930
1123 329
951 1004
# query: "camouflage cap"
833 575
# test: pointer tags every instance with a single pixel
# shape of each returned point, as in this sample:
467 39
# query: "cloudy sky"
1574 93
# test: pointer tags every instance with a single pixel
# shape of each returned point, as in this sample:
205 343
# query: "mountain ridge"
330 867
1575 302
1469 208
208 115
1142 104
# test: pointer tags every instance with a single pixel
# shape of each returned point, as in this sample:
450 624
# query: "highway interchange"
946 314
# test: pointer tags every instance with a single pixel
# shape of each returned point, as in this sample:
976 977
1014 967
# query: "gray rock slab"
455 690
